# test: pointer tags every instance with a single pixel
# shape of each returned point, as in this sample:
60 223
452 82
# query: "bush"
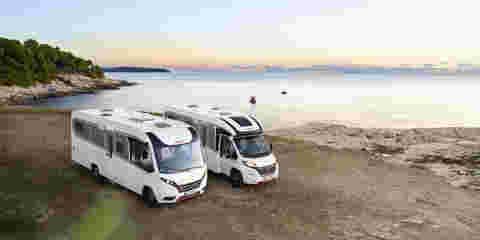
28 63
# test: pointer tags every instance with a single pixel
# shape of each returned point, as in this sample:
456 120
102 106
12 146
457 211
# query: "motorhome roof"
234 122
135 119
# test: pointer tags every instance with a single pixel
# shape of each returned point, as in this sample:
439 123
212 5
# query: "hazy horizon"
224 33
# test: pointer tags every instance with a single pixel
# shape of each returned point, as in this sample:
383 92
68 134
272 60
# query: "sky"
280 32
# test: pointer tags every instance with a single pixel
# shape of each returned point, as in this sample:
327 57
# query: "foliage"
25 64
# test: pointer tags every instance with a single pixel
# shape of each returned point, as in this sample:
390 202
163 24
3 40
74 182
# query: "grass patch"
102 220
28 198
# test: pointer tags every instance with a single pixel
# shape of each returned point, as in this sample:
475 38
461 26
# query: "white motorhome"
158 158
233 143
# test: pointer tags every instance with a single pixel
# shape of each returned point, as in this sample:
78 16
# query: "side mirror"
149 169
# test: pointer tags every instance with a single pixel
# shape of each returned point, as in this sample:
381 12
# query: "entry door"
203 140
108 154
209 154
226 161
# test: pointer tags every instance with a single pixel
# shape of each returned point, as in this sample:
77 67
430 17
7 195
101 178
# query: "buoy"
253 100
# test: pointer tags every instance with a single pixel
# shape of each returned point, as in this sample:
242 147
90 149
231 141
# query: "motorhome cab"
158 158
233 143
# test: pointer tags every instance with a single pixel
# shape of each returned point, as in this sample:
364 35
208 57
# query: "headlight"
170 182
250 164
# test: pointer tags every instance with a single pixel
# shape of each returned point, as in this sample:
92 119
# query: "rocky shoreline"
62 85
453 153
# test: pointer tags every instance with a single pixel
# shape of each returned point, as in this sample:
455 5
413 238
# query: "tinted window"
98 136
109 143
79 128
227 147
88 132
211 137
175 158
203 135
121 146
243 122
139 154
253 146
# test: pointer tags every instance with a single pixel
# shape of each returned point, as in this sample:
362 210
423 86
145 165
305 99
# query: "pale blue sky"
301 32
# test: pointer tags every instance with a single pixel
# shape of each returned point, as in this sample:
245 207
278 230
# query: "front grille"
190 186
266 170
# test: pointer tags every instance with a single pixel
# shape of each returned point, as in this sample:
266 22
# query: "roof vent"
193 106
107 110
225 114
215 108
106 115
161 125
141 120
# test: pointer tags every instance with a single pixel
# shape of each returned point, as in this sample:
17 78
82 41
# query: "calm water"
367 100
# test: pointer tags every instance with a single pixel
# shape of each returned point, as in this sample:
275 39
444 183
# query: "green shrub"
28 63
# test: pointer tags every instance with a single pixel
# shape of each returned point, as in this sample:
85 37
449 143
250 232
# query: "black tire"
96 174
149 198
75 164
236 179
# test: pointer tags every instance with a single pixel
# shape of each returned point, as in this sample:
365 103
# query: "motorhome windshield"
176 158
253 146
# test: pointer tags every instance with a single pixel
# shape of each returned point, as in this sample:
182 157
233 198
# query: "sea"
285 99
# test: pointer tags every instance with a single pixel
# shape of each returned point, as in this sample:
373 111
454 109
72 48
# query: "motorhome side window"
211 137
121 146
98 136
139 154
79 129
203 135
172 115
227 147
88 132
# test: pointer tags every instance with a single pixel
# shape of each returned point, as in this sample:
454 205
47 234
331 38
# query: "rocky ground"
63 85
453 153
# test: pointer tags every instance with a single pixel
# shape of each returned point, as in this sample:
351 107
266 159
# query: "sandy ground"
453 153
323 193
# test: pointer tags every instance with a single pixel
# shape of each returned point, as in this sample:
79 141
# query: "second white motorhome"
233 143
157 158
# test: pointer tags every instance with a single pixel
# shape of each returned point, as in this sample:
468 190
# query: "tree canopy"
30 62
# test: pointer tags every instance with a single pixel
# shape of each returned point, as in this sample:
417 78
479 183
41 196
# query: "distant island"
135 69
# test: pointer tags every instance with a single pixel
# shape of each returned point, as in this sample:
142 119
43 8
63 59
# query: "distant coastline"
135 69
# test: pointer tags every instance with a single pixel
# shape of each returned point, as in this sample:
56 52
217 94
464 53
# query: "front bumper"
174 196
252 176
